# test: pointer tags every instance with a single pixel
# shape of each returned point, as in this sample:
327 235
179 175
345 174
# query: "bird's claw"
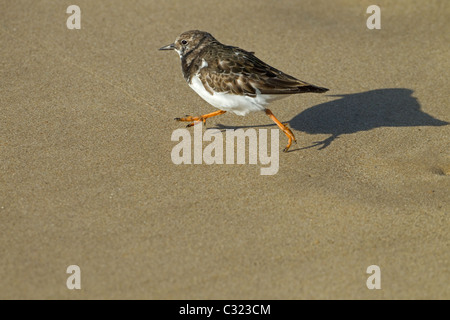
194 120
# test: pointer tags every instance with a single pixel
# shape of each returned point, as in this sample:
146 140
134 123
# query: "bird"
232 79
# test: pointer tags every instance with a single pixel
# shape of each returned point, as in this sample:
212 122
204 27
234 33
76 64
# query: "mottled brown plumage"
233 79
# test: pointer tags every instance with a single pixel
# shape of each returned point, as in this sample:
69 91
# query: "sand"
87 176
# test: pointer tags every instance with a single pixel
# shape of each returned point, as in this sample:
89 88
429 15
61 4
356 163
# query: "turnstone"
233 79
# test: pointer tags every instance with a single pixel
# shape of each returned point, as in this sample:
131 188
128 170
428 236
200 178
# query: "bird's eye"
183 42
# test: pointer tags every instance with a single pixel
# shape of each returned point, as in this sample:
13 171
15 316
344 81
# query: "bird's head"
189 41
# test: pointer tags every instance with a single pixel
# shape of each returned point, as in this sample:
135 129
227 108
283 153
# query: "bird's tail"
313 88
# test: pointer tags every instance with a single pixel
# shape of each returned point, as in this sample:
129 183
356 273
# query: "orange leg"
283 128
202 118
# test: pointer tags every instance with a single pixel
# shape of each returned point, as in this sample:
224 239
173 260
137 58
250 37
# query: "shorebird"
232 79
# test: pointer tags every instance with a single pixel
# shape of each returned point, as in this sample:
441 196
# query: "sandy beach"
87 177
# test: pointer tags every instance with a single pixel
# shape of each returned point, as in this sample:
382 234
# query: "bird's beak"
169 47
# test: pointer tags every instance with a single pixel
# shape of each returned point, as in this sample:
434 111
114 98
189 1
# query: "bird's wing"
234 70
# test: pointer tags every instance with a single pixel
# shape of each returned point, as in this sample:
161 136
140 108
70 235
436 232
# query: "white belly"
240 105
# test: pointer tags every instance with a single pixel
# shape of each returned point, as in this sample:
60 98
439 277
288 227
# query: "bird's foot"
290 136
193 120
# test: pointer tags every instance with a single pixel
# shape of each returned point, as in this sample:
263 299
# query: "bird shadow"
351 113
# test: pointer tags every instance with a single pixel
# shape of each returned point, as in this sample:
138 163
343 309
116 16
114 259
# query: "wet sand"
87 176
